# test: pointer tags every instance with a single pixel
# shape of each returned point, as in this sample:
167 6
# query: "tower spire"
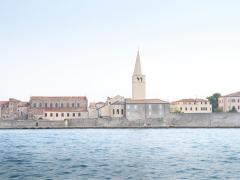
138 68
138 80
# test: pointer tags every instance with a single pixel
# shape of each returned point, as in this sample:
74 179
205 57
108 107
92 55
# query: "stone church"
138 107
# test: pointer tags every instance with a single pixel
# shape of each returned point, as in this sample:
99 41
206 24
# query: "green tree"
214 101
233 109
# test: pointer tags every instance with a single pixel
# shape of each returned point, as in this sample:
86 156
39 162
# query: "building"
92 110
191 106
13 109
23 110
58 108
63 114
229 102
146 109
139 107
4 109
113 107
138 81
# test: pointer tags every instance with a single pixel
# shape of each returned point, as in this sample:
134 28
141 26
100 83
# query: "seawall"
214 120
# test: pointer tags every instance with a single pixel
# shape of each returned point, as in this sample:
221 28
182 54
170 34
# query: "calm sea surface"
120 154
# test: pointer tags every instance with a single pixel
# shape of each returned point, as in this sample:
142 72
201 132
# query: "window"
56 114
34 105
45 114
150 106
45 105
40 105
191 109
122 111
50 105
67 114
68 105
180 108
185 108
113 111
51 114
73 114
135 107
79 114
56 105
62 114
205 102
61 105
78 105
160 106
238 107
73 105
117 111
196 108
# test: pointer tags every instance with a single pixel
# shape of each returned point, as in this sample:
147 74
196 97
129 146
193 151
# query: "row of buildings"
61 108
226 103
137 107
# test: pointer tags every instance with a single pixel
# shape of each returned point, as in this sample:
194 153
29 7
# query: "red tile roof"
145 101
23 104
3 102
236 94
58 98
191 100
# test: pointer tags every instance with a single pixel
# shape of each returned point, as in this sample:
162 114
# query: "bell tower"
138 81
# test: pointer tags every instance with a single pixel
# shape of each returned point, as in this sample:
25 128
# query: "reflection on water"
120 154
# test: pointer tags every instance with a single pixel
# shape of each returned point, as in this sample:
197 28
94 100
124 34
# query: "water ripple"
120 154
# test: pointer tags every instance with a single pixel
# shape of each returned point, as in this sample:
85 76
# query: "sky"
188 49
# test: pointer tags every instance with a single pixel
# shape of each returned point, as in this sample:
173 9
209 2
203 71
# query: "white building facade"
191 106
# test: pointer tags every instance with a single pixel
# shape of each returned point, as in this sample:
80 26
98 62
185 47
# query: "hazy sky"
188 48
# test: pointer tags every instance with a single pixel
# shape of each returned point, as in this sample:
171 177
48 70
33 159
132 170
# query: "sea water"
120 154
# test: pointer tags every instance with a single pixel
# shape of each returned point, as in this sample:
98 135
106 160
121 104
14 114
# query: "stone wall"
214 120
203 120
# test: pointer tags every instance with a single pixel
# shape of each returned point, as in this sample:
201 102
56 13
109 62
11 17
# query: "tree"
233 109
214 101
